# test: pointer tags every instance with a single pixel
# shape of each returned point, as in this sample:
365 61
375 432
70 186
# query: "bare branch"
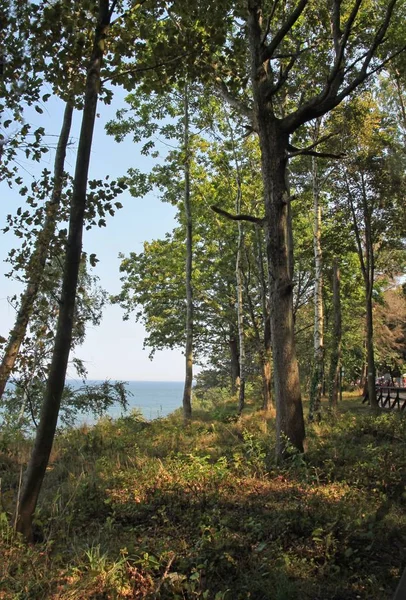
319 141
112 8
335 24
283 76
268 27
337 72
268 50
351 87
306 152
228 215
240 107
269 21
144 69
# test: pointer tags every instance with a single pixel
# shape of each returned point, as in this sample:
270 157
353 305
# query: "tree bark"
267 382
371 377
36 265
367 263
50 408
289 411
274 141
266 353
234 364
318 368
335 364
240 311
187 392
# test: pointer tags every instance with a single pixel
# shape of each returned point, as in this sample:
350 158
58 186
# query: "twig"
18 496
165 575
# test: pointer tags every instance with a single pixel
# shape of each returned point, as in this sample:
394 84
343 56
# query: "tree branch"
308 151
335 25
283 76
329 97
350 88
144 69
337 68
228 215
239 106
125 13
305 152
112 8
268 50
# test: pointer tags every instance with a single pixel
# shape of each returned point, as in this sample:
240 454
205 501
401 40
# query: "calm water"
153 398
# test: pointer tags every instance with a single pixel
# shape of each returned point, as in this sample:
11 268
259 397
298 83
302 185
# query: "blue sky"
114 350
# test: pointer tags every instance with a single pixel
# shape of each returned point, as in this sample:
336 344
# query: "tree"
280 44
318 336
63 31
38 258
373 183
20 83
153 279
390 326
50 408
187 392
335 362
20 405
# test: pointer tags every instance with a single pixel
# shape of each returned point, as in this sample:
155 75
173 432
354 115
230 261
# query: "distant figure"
387 378
397 376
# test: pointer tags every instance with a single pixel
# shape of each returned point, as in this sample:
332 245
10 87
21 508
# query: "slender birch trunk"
38 259
318 368
367 262
234 363
335 364
187 392
50 408
240 308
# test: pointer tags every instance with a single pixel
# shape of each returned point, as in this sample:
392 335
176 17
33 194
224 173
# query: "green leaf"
93 260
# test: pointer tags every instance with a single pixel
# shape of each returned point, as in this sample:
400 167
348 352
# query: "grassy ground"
156 510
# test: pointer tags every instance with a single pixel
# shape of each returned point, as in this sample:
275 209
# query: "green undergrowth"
134 509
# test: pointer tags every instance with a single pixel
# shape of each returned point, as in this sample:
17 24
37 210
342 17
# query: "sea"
154 399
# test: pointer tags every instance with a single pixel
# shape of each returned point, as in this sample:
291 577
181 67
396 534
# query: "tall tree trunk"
399 92
318 368
234 363
367 263
274 142
266 351
37 262
240 312
369 275
335 364
187 392
267 380
370 352
56 379
364 371
289 409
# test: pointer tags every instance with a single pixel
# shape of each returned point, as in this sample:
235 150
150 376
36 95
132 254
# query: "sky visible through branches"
114 350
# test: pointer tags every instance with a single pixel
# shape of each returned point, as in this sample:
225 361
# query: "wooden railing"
390 397
400 593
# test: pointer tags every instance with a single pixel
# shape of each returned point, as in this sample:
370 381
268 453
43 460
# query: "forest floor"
134 509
